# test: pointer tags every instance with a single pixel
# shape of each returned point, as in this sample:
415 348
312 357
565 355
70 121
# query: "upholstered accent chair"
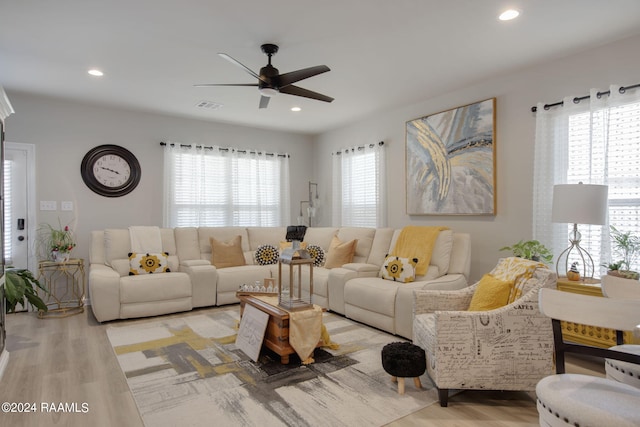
565 400
506 348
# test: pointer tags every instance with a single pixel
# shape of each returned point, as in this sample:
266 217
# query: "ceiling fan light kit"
271 82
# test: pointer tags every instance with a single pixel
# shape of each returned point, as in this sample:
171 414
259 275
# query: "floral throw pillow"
148 263
317 253
399 269
267 254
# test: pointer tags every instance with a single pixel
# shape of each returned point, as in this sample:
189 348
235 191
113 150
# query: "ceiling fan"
270 82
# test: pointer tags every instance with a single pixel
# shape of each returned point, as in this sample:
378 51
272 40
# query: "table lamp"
578 204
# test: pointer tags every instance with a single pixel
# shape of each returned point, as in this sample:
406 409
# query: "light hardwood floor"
70 361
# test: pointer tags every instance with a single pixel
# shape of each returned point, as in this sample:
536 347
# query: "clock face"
110 170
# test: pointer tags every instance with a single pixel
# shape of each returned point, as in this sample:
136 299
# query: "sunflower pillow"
399 269
148 263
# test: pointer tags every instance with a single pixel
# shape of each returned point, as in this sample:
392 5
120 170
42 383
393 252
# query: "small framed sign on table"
251 333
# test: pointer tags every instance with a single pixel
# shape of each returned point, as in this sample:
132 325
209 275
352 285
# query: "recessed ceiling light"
95 72
296 109
508 15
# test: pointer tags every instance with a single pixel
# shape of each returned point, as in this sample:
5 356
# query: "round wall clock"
110 170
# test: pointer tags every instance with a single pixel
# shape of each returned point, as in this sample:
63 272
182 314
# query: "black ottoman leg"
443 395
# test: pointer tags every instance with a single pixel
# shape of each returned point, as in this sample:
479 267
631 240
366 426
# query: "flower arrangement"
55 241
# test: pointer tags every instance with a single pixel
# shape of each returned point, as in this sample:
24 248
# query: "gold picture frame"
451 162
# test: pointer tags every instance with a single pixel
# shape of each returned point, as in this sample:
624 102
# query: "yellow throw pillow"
227 254
491 293
340 253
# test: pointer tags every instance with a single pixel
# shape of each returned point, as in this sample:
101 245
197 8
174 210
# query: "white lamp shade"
580 203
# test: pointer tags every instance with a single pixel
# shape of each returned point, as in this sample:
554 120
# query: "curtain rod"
362 147
577 99
223 149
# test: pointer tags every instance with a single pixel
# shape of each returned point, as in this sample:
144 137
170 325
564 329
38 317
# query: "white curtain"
359 186
594 141
215 186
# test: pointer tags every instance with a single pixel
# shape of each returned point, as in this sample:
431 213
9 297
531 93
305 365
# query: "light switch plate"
48 205
66 205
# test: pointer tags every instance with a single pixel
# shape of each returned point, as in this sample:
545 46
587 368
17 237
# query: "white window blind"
359 180
597 142
213 186
8 230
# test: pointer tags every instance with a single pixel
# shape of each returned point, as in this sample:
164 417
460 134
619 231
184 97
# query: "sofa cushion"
340 253
320 236
228 253
147 263
372 294
259 236
154 287
399 269
490 293
117 244
363 235
441 255
266 254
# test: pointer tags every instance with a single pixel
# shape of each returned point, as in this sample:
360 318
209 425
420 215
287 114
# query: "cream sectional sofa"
354 290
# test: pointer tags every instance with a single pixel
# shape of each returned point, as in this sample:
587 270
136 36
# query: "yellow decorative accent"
518 270
491 293
417 241
399 269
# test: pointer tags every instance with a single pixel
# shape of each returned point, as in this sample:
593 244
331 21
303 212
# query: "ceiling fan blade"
295 76
298 91
264 101
226 84
241 65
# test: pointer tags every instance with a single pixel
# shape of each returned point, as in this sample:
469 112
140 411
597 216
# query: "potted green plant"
530 249
20 285
626 246
56 243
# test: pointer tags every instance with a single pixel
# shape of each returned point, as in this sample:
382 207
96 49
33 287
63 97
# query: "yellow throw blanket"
417 242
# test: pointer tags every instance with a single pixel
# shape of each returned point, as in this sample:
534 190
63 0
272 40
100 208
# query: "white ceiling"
382 53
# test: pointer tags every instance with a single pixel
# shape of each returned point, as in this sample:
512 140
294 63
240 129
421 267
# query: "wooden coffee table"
276 337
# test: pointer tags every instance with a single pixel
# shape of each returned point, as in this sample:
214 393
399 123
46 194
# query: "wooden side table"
585 334
65 282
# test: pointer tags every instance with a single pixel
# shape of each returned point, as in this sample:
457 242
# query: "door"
19 227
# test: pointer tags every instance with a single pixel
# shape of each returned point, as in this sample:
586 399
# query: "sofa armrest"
362 269
337 278
104 291
429 301
204 279
193 262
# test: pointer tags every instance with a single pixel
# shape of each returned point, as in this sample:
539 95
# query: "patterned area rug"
187 371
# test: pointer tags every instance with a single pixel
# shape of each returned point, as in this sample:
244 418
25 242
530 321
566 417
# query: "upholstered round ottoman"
569 400
404 360
624 372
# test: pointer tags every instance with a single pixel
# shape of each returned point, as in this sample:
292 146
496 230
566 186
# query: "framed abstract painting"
450 161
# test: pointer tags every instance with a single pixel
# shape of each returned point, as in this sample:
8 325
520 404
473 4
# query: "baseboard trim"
4 361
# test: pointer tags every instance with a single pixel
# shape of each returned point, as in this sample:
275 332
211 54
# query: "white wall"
64 131
516 93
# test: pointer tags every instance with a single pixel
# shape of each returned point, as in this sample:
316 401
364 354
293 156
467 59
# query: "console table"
65 282
585 334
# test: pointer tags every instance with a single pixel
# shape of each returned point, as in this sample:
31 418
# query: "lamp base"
575 254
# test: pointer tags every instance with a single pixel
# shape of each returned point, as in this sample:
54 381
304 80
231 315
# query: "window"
213 186
598 143
8 222
359 179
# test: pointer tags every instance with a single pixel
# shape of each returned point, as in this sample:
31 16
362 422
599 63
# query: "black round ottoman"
404 360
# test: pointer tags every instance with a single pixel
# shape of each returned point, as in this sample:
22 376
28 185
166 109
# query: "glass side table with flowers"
56 243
